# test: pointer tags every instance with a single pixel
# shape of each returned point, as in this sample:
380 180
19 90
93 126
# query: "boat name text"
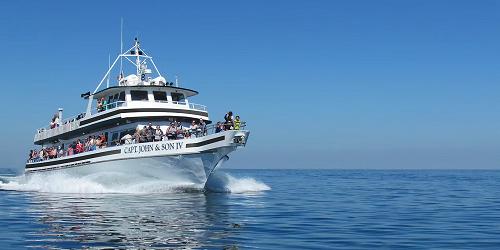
156 147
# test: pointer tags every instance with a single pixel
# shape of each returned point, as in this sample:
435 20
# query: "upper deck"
136 96
124 104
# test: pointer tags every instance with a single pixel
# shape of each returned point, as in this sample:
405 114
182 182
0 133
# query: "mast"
138 58
109 66
121 47
140 63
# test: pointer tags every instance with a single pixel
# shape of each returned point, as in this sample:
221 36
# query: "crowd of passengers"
91 143
149 133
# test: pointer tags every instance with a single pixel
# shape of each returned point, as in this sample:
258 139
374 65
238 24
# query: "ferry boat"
117 113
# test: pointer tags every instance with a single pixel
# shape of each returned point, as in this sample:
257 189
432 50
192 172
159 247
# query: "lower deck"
220 143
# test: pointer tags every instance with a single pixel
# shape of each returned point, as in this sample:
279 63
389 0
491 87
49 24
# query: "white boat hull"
192 159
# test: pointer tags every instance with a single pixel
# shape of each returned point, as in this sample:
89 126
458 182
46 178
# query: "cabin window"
160 96
122 96
139 95
178 97
114 137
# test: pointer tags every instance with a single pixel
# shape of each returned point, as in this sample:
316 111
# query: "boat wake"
111 182
221 182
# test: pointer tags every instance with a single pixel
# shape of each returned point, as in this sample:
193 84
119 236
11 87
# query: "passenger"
70 150
104 104
55 121
137 135
79 147
187 134
30 156
228 121
143 137
35 156
150 132
52 153
158 133
202 128
180 131
237 123
171 131
99 105
193 129
93 143
41 154
219 127
60 151
127 139
86 144
98 142
104 141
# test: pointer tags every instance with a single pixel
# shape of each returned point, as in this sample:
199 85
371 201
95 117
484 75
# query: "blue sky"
322 84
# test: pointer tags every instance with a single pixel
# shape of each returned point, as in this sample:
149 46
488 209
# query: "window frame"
160 100
133 95
180 100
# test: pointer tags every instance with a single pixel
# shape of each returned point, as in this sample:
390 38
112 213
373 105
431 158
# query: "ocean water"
265 209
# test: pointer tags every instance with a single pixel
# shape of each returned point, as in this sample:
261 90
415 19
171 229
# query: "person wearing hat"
228 118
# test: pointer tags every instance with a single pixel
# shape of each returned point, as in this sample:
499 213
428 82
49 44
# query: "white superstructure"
117 112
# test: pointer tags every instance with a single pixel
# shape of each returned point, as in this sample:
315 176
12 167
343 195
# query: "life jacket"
237 124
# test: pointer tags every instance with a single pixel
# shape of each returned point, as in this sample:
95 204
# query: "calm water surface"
305 209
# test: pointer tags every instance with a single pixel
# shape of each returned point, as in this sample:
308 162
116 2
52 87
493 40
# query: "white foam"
224 182
111 182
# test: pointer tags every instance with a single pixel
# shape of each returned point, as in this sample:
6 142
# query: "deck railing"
194 106
198 107
69 124
110 106
198 133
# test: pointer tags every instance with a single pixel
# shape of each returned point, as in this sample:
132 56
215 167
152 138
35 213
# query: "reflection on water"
154 215
306 209
187 220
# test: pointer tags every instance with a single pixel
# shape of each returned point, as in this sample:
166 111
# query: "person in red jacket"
79 147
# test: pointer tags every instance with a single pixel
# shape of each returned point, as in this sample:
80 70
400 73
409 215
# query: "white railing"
191 105
200 132
63 122
110 106
69 124
179 103
197 106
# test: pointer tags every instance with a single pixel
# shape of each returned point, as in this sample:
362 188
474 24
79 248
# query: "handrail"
194 106
70 123
197 106
62 123
209 129
110 106
74 118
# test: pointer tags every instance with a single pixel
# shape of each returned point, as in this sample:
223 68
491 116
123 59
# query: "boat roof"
114 89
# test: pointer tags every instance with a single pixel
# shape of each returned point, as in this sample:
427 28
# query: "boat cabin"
138 98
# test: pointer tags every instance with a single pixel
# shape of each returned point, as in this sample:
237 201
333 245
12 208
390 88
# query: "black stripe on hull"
78 158
100 154
203 143
121 111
